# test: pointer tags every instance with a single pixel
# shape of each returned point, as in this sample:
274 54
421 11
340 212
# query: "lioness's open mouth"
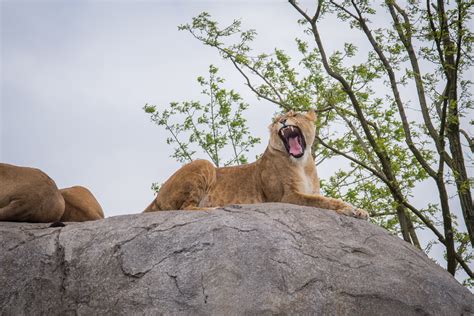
293 139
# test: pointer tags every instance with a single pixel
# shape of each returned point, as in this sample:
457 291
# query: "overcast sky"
76 74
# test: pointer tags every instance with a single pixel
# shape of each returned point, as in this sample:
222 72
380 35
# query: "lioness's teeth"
291 128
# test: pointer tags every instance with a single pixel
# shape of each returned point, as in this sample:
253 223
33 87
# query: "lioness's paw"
349 210
360 213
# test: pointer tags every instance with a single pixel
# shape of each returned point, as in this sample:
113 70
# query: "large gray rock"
254 259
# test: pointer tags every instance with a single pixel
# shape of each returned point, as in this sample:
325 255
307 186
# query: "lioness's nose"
283 121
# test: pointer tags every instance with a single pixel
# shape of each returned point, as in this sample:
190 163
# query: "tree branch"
434 32
440 147
406 40
358 162
227 54
249 84
359 139
396 93
470 140
183 148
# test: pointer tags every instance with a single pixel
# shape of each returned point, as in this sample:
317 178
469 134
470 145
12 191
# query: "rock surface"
253 259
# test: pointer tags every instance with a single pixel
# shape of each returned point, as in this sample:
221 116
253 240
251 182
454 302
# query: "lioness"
81 205
286 173
30 195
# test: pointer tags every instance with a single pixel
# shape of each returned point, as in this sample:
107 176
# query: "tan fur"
275 177
81 205
28 195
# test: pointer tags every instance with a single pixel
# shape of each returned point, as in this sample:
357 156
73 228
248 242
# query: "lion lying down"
285 173
30 195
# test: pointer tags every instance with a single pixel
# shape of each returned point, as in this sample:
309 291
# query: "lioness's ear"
311 114
276 118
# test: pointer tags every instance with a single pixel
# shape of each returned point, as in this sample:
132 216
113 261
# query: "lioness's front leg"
320 201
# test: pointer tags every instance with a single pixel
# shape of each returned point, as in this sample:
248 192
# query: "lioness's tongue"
295 147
